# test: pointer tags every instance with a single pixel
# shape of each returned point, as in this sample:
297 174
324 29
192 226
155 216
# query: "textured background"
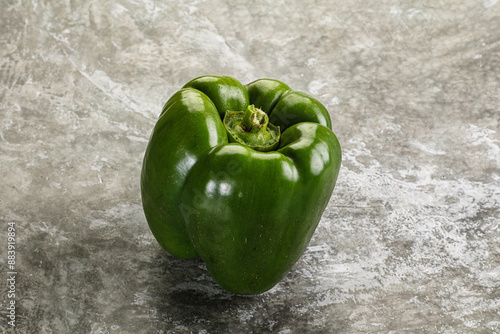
410 241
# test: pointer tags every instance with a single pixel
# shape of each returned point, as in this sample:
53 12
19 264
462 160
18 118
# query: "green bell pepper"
239 176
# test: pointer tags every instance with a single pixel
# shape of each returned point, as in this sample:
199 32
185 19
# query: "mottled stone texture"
410 242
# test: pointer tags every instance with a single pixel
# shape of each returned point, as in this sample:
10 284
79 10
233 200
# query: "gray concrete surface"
410 241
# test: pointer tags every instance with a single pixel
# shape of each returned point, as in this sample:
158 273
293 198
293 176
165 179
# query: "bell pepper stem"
254 120
252 129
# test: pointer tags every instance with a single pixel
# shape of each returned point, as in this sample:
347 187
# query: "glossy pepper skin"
248 214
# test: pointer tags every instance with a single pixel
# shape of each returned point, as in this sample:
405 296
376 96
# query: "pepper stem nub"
254 120
252 128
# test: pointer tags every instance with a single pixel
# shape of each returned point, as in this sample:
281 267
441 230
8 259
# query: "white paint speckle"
137 139
487 138
142 297
316 86
334 101
395 11
311 62
489 3
427 149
